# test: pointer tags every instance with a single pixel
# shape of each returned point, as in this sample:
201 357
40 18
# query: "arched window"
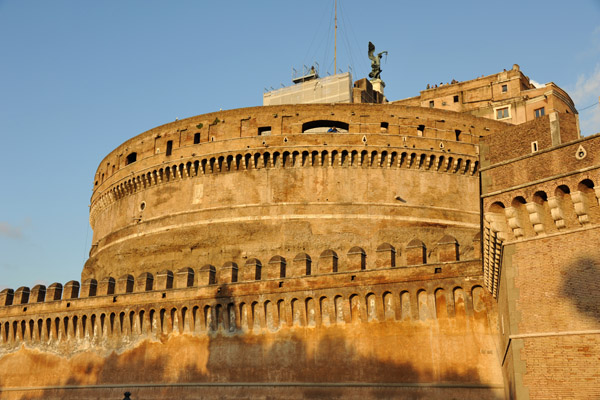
322 126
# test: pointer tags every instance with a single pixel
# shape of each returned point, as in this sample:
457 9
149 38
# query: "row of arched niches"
433 161
405 303
337 295
550 208
416 253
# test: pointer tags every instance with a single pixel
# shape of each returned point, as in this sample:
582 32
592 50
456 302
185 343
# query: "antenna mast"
335 43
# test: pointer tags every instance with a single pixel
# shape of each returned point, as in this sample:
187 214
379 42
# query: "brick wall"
515 141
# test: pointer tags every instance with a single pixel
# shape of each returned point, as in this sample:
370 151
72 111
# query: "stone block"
228 273
357 259
328 262
37 294
71 290
251 271
144 282
207 275
54 292
184 278
89 288
164 280
125 284
276 268
21 295
106 286
416 252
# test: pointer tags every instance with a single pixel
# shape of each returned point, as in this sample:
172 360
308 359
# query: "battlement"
301 156
250 298
414 254
213 132
531 196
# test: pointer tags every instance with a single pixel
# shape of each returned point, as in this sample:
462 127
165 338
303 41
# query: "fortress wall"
250 196
540 197
390 325
323 270
276 159
521 136
545 220
554 349
260 254
245 123
256 212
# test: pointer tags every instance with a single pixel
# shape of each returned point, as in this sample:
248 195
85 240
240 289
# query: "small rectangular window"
502 113
131 158
431 103
169 147
534 147
196 138
504 88
456 99
540 112
264 131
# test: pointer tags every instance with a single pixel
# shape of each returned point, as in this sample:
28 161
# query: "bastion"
268 183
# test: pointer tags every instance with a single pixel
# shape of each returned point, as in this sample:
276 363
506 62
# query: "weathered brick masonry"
543 208
252 253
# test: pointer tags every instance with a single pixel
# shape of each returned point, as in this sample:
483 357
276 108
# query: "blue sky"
77 78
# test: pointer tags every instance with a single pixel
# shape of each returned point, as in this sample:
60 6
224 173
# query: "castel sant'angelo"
332 244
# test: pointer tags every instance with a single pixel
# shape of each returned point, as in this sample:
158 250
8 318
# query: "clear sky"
77 78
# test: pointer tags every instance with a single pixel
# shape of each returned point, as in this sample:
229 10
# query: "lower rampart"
365 333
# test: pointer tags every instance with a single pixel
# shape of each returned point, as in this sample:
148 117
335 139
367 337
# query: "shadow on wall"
352 353
582 286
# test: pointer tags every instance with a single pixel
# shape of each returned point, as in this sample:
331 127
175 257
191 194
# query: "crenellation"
207 275
301 266
184 277
124 284
71 290
143 282
6 297
106 286
89 288
21 295
228 273
252 270
416 252
37 294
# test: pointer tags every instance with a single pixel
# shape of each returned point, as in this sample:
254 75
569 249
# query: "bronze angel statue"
375 62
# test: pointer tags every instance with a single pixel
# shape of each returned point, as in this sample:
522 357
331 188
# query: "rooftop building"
507 96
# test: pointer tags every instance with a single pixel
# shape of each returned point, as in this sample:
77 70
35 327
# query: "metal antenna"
335 41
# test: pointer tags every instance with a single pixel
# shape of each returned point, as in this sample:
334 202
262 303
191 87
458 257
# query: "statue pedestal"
378 85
